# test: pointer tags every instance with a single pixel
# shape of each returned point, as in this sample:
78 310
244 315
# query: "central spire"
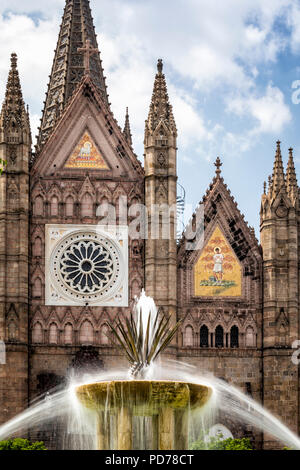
76 54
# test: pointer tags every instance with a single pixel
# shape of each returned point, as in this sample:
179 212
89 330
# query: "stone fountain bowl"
143 397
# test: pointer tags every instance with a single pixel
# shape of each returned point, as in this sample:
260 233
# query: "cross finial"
278 143
13 60
160 65
218 165
88 51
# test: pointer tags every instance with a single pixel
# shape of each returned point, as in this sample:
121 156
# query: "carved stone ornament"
86 265
281 210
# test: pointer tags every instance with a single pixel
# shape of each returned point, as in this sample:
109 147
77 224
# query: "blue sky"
230 67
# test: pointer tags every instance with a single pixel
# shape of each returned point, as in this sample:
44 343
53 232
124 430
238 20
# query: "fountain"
160 404
167 403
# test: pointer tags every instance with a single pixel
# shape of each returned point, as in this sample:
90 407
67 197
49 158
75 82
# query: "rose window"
87 267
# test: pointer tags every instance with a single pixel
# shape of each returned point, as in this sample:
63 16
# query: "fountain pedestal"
167 403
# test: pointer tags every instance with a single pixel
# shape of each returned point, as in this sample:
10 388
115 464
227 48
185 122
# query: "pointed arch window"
37 247
37 289
250 338
189 336
234 337
87 206
37 334
69 206
86 336
53 334
104 335
12 331
68 334
204 337
219 341
54 206
38 206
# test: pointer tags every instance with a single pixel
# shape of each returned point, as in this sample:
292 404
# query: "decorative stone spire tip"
291 177
14 60
160 66
127 130
218 165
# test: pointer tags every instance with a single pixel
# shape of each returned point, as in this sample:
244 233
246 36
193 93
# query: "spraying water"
80 423
145 308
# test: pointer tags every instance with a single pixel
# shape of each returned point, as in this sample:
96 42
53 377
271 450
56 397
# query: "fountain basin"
168 403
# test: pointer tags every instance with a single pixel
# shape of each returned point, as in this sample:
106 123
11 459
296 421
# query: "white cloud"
294 22
208 47
42 8
204 41
33 43
188 119
269 112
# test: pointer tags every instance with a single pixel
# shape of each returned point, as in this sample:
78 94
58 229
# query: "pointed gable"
225 233
87 136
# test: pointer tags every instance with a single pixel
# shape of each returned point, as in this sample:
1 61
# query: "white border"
54 234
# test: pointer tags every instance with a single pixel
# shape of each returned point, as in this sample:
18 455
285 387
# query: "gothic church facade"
238 299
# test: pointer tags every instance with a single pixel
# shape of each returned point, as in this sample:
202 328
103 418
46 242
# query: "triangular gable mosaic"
86 155
217 271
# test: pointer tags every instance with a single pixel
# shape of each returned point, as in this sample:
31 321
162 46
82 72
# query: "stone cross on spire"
69 65
160 66
13 60
88 52
218 165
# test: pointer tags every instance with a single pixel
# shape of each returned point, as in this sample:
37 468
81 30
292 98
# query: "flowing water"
144 307
79 425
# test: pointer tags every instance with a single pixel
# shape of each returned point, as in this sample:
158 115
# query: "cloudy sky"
232 69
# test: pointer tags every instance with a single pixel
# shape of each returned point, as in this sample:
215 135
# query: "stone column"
181 433
166 429
103 431
124 429
154 432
